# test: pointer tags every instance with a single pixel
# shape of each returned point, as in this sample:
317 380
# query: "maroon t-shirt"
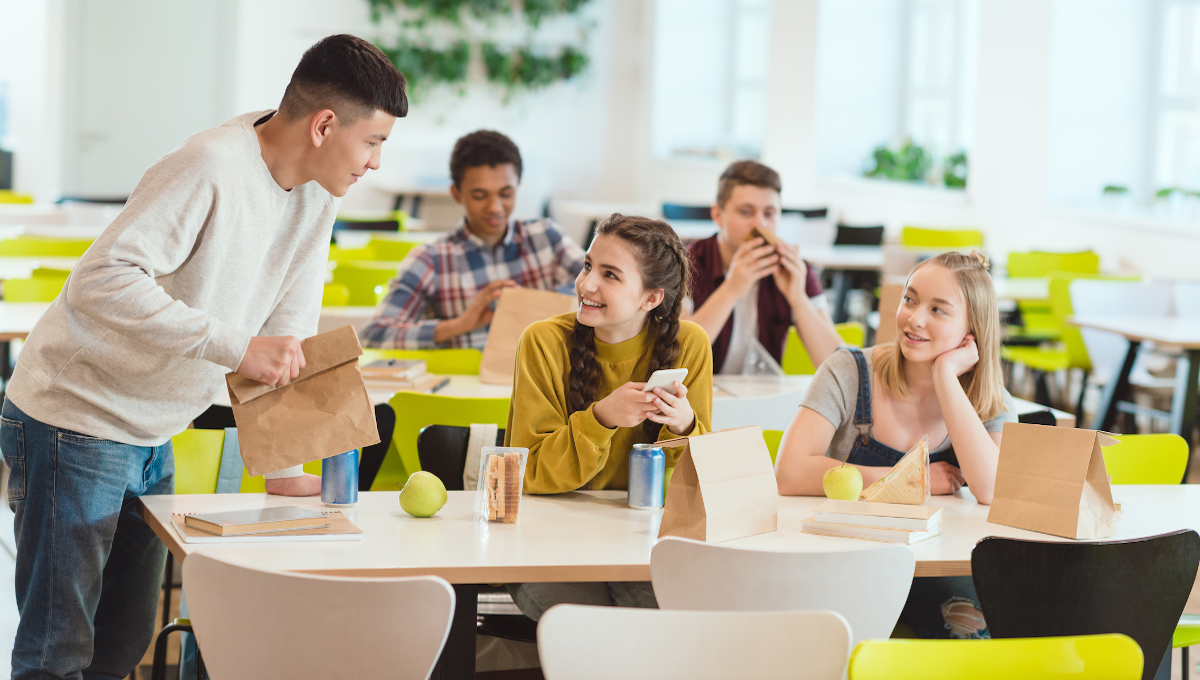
774 312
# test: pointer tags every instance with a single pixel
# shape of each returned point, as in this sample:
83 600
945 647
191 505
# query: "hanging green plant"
909 163
534 11
521 67
954 170
427 66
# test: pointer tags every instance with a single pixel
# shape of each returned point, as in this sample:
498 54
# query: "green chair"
49 273
44 246
773 437
1038 320
197 460
795 357
1069 352
259 484
35 289
415 410
391 248
1154 459
1083 657
940 239
464 361
9 196
341 255
335 295
366 280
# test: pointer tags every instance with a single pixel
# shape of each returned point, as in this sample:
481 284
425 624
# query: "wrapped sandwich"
501 472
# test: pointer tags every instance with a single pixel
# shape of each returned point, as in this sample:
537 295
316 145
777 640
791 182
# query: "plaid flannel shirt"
437 280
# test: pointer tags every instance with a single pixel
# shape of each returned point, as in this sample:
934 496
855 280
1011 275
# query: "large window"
1177 100
896 74
710 78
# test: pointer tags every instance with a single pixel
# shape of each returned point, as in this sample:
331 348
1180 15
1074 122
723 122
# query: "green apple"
423 495
842 483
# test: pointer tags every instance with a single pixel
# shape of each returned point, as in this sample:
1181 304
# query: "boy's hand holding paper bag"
324 411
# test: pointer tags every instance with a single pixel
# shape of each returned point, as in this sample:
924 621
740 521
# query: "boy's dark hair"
742 173
347 74
482 147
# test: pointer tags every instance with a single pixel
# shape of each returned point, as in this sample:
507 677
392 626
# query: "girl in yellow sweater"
578 404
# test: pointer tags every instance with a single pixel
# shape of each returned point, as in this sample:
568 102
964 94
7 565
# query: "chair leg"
1187 670
166 607
159 670
1041 392
1083 385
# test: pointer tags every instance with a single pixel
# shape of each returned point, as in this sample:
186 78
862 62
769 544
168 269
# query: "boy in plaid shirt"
443 293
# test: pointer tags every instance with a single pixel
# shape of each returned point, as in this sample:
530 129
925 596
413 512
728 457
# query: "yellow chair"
415 410
36 289
1086 657
795 357
454 361
772 437
335 295
259 484
44 246
366 280
341 255
940 239
197 460
391 248
1039 321
9 196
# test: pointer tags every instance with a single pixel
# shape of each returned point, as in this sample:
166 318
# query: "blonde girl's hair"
983 384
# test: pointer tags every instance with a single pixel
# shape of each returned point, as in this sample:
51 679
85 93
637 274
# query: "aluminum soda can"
339 480
647 468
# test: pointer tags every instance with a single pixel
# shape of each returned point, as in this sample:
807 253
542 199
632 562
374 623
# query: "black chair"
1045 589
591 234
1038 418
858 236
373 225
442 450
675 211
807 213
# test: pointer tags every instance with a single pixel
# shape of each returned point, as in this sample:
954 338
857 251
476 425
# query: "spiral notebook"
340 529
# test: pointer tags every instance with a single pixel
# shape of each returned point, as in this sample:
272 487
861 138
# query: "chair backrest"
796 360
335 295
1045 417
28 245
262 624
867 584
1036 264
454 361
415 410
675 211
366 225
1147 459
392 249
442 450
920 237
10 196
365 279
807 213
197 460
34 289
1187 298
1086 657
1108 297
578 642
1137 587
848 235
773 438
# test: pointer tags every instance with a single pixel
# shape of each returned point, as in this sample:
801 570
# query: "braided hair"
664 263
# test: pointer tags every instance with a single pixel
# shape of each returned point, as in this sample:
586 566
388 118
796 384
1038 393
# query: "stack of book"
280 524
401 374
887 522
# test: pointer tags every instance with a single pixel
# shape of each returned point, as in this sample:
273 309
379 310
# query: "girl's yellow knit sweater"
573 451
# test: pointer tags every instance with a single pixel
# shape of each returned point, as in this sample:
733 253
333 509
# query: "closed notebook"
257 521
340 529
880 515
812 526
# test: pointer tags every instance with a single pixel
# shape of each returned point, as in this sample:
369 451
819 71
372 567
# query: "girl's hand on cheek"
960 359
944 479
626 406
675 411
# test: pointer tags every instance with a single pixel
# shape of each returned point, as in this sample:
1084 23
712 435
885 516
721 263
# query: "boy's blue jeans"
88 567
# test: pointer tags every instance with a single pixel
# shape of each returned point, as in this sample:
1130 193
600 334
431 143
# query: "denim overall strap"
867 450
862 410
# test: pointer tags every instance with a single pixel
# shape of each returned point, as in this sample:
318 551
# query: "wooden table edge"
165 534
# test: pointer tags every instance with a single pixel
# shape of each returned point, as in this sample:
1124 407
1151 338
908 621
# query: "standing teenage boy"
216 264
745 291
443 293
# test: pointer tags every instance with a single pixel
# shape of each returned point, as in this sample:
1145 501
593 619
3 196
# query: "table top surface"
1166 330
595 536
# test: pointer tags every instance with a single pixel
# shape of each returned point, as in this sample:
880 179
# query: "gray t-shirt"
834 394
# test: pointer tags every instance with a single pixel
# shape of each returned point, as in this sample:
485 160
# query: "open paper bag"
323 412
1052 480
723 487
516 309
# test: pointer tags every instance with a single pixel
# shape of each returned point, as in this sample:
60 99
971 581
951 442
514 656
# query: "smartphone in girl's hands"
665 378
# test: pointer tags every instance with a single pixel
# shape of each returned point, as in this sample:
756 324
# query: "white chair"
1187 298
868 586
578 642
261 624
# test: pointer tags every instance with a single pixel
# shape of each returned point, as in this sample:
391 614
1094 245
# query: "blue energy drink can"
339 480
647 468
